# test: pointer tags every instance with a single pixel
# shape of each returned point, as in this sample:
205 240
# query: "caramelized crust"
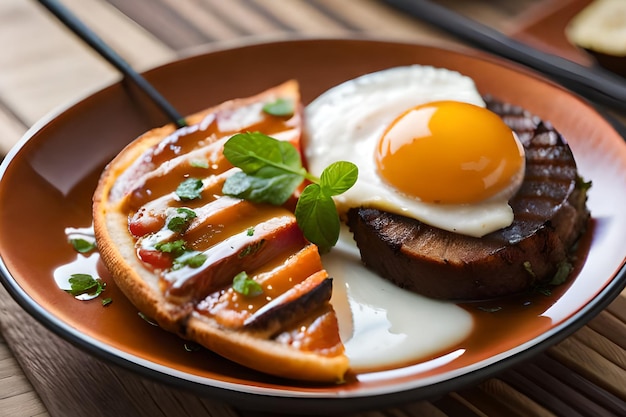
291 329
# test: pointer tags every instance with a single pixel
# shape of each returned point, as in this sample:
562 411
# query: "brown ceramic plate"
48 180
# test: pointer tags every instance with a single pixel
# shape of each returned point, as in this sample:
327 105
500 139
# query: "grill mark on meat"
550 214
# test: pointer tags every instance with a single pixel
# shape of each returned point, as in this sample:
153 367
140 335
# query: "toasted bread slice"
290 330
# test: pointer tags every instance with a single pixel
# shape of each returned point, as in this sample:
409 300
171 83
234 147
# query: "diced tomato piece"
142 223
155 258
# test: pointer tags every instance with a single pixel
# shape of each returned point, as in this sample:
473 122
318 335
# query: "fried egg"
425 146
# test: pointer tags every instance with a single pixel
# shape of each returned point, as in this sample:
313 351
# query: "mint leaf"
280 107
274 190
338 177
254 152
190 189
317 217
246 286
271 170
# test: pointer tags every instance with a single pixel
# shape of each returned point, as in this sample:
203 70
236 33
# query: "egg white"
346 122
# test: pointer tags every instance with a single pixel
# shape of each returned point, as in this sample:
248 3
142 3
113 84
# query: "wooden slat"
610 327
11 130
591 365
602 345
375 19
618 307
163 21
17 397
514 399
58 68
582 385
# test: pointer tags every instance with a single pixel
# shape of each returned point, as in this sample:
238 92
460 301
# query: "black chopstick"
87 35
595 84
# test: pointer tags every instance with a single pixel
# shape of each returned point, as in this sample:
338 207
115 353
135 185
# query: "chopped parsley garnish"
563 271
190 189
180 219
83 245
251 249
529 268
250 231
581 184
192 259
176 247
279 107
85 284
181 254
106 301
271 170
246 286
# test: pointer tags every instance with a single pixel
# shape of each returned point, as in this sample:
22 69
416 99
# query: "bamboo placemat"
43 66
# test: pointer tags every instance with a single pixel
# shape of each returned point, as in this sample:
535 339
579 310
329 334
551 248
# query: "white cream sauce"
83 264
382 325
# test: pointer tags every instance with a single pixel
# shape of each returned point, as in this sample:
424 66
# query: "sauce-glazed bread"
175 246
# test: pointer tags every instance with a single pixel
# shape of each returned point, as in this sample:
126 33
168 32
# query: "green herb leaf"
192 259
85 284
106 301
251 249
176 247
529 268
82 245
582 184
271 170
280 107
562 273
258 154
338 177
190 189
274 190
180 219
317 217
246 286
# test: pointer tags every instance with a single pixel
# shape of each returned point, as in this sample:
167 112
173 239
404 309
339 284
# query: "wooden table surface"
43 66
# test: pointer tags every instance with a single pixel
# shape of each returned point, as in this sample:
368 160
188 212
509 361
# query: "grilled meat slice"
550 215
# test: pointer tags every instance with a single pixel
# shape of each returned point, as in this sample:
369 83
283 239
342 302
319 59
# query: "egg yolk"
449 152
